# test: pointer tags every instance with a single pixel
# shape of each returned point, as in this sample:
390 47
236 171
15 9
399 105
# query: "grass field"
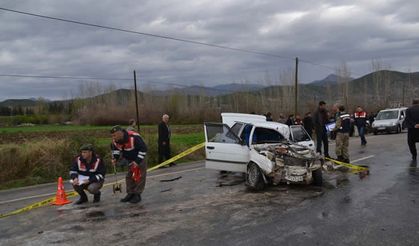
38 154
67 128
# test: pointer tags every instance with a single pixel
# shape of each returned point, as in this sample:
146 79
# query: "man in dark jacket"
308 123
320 119
290 121
412 124
129 145
87 173
164 139
360 117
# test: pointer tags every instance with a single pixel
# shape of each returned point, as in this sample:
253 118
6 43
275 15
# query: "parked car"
268 152
389 120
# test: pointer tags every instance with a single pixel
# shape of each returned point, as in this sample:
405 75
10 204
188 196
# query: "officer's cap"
116 129
87 147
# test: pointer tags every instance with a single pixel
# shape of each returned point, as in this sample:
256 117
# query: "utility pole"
136 101
296 88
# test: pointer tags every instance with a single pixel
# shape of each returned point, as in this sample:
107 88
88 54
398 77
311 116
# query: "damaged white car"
268 152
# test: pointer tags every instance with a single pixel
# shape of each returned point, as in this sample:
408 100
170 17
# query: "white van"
389 120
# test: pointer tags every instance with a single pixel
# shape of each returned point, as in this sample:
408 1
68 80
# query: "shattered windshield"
387 115
263 135
299 134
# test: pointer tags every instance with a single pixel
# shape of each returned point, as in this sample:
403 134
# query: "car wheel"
375 132
399 129
317 177
254 179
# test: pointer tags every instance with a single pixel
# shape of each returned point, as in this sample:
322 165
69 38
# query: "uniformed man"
360 117
87 173
342 129
412 124
129 145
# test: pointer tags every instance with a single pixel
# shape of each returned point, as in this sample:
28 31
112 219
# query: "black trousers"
412 139
164 152
321 135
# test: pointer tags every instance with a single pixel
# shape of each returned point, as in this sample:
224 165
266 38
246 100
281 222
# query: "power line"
147 34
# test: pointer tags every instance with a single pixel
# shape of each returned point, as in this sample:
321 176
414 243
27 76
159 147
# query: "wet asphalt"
202 207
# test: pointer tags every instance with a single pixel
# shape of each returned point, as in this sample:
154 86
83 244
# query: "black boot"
128 197
96 197
135 199
82 199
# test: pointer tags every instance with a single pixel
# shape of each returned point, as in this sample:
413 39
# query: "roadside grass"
37 161
67 128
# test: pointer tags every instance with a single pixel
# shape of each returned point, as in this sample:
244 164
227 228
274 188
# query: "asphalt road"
204 208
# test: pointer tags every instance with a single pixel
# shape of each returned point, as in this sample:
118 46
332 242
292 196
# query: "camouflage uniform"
343 127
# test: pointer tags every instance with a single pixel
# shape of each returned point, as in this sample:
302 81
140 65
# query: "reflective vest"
345 123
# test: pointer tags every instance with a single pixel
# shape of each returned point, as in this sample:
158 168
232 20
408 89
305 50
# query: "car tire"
375 132
317 177
254 179
399 129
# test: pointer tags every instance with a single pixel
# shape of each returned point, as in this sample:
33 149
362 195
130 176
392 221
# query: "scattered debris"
170 180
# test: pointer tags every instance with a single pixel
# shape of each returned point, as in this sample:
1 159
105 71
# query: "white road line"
26 198
121 181
363 158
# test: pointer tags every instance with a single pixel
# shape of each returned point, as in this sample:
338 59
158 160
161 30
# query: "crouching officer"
131 147
87 173
343 127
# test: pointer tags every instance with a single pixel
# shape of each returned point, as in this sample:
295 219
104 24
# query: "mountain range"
372 84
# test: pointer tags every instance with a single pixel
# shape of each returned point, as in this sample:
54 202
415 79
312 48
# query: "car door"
224 150
300 136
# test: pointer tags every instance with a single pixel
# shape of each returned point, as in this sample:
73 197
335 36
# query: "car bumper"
296 174
385 128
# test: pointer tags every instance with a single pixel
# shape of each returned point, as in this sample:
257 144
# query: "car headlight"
393 123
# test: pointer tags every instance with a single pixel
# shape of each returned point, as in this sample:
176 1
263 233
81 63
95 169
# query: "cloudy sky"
323 34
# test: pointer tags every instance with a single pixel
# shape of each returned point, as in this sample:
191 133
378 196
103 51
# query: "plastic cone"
60 197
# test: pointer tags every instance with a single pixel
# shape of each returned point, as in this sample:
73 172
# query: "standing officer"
343 127
412 124
164 139
131 147
87 173
360 118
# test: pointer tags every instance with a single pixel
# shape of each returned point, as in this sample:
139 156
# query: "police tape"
73 193
356 168
177 157
35 205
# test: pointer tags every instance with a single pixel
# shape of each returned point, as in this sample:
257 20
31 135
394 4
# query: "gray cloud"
327 32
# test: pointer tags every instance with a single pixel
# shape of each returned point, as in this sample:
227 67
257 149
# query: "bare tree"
344 77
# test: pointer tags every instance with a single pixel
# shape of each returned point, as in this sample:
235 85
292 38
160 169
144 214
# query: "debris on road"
171 180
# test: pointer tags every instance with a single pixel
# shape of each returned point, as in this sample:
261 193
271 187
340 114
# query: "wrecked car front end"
289 163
